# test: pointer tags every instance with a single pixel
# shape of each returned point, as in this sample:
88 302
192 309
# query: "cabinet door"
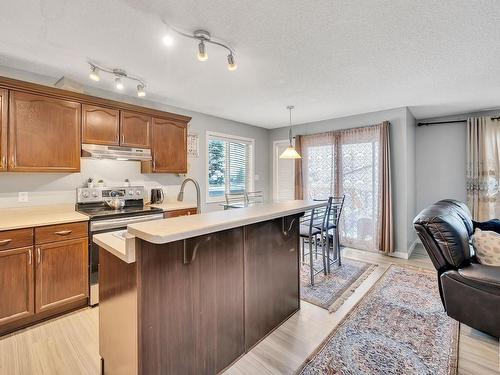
134 129
169 141
3 129
61 273
204 320
100 125
271 258
16 284
44 134
183 212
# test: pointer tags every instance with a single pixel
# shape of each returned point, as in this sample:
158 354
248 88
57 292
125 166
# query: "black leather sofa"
470 291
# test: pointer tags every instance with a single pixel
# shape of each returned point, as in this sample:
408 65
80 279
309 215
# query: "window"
230 165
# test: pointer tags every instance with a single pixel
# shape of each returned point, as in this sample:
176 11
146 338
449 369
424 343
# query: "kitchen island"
190 295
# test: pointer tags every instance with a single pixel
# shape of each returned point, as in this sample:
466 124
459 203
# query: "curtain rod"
448 122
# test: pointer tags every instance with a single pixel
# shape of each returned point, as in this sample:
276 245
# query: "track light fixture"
119 76
119 83
203 37
140 91
231 65
94 73
202 51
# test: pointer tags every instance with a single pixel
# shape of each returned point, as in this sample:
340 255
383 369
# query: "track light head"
94 73
202 51
231 64
140 91
119 83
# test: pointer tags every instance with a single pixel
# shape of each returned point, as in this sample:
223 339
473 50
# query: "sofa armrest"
478 276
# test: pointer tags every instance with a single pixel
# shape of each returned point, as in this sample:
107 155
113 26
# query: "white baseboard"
399 254
412 247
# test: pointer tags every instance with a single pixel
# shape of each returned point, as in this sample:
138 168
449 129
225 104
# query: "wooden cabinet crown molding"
4 96
14 84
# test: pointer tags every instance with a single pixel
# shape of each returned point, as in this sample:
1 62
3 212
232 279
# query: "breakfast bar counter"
198 291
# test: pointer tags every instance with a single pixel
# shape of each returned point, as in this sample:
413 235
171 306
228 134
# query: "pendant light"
290 152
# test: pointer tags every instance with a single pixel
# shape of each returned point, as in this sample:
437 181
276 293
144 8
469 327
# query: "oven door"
105 226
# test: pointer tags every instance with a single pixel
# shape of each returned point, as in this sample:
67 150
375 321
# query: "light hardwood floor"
69 345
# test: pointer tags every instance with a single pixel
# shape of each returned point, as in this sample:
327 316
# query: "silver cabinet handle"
286 232
63 232
5 242
123 138
38 255
189 259
30 256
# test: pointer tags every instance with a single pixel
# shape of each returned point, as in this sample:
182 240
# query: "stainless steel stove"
92 202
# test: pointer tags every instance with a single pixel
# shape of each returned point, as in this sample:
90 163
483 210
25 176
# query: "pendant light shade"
290 152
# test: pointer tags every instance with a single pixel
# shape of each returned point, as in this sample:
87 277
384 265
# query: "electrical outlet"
22 196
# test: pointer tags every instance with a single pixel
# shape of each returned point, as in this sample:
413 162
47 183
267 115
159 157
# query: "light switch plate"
22 196
257 177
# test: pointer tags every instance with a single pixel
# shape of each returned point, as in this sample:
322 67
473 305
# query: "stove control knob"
130 192
94 194
85 194
138 192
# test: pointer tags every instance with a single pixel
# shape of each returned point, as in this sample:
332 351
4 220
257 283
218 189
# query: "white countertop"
25 217
179 228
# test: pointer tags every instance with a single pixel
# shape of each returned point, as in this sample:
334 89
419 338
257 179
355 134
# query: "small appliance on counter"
105 216
157 196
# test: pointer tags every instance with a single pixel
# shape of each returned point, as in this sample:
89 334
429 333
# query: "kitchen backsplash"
55 188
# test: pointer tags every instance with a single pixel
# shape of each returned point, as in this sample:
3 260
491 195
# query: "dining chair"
332 222
253 197
236 199
311 226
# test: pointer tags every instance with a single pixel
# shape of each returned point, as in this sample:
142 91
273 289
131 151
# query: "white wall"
411 201
440 159
400 142
45 188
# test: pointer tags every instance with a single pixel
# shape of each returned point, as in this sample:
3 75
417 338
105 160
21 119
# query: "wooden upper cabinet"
16 284
100 125
3 129
44 134
169 146
134 129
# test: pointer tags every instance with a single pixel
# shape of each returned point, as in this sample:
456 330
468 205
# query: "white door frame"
275 166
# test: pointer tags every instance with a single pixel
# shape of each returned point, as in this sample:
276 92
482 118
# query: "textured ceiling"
329 58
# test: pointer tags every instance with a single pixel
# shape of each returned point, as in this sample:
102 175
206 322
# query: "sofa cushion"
487 247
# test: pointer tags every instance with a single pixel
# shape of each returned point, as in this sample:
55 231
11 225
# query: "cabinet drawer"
11 239
60 232
183 212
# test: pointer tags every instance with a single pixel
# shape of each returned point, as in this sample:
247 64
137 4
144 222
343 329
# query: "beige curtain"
354 162
483 167
299 192
385 222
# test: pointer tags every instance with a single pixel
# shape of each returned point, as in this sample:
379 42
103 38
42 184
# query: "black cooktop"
105 212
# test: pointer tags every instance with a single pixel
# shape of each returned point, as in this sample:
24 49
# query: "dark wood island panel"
181 307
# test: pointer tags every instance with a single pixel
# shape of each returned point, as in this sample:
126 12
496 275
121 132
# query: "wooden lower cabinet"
203 282
61 273
183 212
16 284
271 282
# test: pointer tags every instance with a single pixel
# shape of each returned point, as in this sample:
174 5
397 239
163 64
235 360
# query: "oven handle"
120 223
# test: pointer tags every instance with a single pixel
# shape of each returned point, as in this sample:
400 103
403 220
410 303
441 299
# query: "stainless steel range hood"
115 152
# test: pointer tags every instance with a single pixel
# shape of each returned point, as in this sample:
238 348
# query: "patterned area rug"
331 291
399 327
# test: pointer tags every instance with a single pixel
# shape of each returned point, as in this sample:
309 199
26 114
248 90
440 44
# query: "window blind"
229 166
